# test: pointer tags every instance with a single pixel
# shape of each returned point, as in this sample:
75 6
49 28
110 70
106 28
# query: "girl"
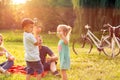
63 32
7 64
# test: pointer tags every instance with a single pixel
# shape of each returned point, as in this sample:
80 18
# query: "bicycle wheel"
110 47
115 47
79 44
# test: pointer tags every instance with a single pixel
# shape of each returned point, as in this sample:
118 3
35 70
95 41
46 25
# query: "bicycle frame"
93 38
108 44
114 40
115 44
97 42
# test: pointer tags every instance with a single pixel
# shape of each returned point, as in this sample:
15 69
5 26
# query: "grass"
83 66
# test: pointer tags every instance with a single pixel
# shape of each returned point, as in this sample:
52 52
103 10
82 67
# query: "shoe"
56 73
5 72
2 70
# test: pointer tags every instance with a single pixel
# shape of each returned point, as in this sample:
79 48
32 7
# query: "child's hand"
39 30
60 34
11 58
36 30
52 59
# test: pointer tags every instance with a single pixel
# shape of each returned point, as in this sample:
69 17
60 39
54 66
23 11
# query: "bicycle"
114 39
89 38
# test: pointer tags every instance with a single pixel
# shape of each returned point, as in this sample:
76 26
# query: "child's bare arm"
64 38
36 43
9 56
52 58
2 53
36 32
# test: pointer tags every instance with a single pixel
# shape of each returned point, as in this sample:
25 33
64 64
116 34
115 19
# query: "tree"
50 13
78 24
95 13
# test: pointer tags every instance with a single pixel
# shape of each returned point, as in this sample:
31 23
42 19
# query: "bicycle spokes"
111 49
81 46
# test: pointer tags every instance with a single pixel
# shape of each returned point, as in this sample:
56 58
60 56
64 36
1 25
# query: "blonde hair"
66 29
0 35
2 39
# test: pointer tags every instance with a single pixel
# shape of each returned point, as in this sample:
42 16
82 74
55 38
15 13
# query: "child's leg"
2 70
64 74
28 77
39 77
7 65
2 63
39 69
30 71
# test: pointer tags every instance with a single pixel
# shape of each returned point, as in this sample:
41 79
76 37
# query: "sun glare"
19 1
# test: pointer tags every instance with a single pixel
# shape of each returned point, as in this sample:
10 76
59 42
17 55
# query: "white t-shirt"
31 51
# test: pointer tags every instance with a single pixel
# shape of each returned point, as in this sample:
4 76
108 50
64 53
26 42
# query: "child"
63 32
7 64
31 50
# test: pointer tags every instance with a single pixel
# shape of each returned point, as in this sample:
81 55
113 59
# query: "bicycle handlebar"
87 26
103 30
105 25
49 32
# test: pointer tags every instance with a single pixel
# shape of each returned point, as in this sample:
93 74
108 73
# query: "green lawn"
83 66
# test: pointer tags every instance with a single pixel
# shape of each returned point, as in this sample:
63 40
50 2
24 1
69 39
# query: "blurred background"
49 13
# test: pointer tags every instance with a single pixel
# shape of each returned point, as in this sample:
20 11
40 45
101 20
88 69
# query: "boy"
31 50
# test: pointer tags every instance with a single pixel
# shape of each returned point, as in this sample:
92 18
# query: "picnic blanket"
22 69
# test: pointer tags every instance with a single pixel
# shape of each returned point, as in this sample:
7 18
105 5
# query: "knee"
54 59
11 63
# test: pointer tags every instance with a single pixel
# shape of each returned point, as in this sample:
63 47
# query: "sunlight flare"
19 1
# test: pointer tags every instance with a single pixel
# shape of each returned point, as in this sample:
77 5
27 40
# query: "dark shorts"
34 66
47 66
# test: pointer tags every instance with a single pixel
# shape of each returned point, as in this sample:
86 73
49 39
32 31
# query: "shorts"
34 66
47 66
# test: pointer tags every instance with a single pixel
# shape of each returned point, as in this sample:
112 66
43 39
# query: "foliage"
95 13
49 13
117 4
77 23
13 36
99 3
